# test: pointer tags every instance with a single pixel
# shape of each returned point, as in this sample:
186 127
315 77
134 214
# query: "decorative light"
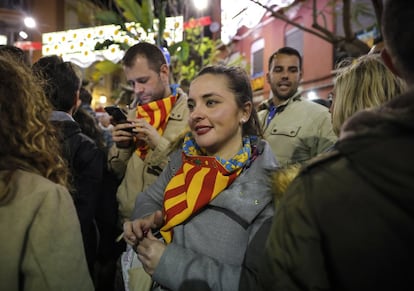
312 95
102 99
200 4
3 39
30 22
23 34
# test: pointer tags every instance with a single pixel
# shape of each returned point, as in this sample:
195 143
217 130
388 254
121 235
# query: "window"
294 39
256 58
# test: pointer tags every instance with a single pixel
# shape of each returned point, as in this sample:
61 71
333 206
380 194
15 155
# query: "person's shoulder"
181 93
264 150
22 181
309 105
264 105
180 109
311 109
318 162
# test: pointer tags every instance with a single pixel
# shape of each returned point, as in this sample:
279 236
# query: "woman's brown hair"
28 139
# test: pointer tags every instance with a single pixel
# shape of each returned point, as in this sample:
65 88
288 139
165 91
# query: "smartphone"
117 115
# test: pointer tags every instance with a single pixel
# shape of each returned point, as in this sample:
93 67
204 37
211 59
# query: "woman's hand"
136 230
149 251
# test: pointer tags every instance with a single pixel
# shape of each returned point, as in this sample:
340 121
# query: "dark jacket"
347 221
86 162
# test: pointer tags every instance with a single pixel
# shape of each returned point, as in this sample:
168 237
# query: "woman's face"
215 119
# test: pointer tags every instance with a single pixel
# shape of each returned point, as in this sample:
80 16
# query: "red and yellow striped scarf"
156 113
199 180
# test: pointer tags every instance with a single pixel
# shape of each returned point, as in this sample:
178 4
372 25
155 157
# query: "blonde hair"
28 139
363 84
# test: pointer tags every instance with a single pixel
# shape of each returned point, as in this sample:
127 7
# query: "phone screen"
116 114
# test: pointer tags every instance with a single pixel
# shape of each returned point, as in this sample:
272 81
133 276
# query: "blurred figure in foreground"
41 243
346 222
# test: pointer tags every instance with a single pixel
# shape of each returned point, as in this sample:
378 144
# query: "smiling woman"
215 190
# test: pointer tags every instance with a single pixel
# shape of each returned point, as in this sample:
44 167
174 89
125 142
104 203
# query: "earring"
242 121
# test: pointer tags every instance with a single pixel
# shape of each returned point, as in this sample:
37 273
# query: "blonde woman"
41 244
365 83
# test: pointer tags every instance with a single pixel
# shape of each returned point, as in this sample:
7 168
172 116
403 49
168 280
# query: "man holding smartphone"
157 116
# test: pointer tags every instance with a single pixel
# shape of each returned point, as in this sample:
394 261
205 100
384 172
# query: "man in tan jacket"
297 129
158 115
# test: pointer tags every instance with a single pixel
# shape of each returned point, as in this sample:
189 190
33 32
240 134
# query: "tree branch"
280 16
378 8
316 25
346 20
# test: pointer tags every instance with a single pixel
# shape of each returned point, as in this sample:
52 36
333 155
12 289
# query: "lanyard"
272 113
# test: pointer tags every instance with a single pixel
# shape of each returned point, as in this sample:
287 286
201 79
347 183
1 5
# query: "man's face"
147 84
284 76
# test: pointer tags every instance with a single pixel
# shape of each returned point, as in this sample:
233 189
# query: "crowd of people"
204 190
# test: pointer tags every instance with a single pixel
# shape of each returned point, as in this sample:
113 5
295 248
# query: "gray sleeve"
195 271
183 269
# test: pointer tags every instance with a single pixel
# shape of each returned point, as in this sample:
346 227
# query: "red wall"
317 56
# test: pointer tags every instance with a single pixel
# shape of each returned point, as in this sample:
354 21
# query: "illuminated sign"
78 45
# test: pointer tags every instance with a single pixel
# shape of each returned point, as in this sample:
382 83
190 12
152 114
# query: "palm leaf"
130 10
108 17
104 68
147 10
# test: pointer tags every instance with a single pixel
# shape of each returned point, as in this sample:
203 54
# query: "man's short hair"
85 96
397 22
286 51
61 81
152 53
15 53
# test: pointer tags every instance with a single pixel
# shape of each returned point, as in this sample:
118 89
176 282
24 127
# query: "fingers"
129 235
149 252
134 231
122 132
138 229
158 219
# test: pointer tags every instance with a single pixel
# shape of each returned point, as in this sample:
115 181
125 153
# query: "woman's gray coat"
208 250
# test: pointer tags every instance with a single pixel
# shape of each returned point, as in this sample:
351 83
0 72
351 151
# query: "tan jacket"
299 131
41 244
138 174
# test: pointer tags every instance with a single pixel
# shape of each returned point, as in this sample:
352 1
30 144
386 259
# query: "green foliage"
104 68
109 17
191 55
161 23
131 10
187 56
147 15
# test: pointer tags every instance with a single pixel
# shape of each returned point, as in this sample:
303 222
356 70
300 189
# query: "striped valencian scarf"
156 113
199 180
